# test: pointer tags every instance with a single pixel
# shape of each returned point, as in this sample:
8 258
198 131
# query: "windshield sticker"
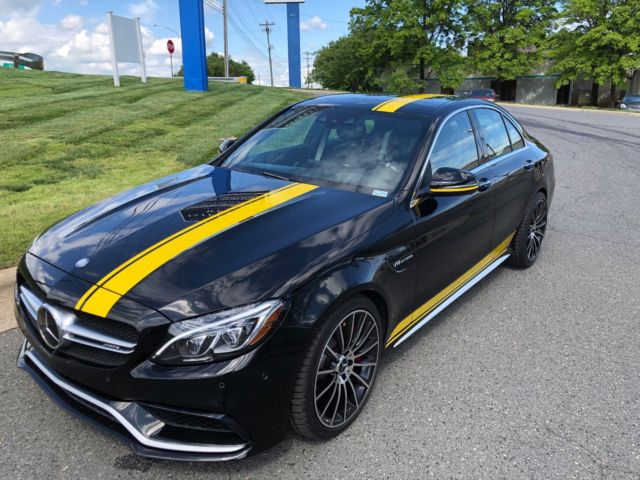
380 193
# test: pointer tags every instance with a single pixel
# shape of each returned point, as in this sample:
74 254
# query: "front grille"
94 356
109 327
85 339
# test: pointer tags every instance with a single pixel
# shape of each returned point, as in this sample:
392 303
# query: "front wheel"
528 238
339 370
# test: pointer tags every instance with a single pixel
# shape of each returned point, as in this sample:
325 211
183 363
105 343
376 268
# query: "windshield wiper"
275 175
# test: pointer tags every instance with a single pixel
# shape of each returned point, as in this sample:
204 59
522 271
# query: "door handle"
528 165
485 184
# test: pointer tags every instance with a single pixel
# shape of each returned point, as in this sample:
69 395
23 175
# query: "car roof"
430 105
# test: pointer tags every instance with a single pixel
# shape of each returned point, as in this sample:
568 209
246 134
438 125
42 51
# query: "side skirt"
461 291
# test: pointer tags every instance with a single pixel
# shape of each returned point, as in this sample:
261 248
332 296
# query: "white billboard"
126 44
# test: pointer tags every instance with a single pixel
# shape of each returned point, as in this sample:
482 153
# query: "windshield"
631 99
349 148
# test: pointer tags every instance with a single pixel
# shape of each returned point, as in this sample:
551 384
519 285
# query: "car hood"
206 239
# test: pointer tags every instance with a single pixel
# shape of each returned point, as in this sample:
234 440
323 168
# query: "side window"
516 139
492 132
456 145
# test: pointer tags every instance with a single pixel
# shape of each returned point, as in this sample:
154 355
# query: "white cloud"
314 23
71 47
17 6
146 9
71 22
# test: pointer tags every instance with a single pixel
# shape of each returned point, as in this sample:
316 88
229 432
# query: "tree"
425 35
341 65
507 37
599 39
215 68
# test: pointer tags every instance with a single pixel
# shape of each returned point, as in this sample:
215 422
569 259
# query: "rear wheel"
339 370
527 241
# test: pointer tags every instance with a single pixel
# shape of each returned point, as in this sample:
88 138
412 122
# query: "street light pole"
226 41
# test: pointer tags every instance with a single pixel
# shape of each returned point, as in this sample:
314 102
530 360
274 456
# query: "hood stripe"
396 103
100 298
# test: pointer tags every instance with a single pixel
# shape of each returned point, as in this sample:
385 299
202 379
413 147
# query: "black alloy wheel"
338 373
527 241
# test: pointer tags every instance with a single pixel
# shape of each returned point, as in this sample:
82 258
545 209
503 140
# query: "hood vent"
214 205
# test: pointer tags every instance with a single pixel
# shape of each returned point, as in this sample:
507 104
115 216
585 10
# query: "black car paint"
321 248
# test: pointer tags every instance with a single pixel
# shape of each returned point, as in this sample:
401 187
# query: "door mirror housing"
451 181
226 143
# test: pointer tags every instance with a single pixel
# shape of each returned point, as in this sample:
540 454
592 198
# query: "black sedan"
201 316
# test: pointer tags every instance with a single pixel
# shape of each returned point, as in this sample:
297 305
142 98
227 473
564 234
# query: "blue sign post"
293 37
194 54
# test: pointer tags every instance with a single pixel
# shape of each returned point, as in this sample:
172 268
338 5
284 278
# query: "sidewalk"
7 279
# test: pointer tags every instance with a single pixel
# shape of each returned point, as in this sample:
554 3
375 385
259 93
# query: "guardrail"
18 60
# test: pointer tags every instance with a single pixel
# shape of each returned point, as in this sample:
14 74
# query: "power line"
267 28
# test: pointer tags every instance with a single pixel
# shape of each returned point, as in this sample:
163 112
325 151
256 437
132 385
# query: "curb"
7 280
565 109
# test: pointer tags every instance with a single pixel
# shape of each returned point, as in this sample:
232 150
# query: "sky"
72 35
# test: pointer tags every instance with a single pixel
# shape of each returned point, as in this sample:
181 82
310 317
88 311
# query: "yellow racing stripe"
395 103
431 304
99 299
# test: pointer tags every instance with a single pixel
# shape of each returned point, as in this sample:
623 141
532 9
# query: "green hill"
70 140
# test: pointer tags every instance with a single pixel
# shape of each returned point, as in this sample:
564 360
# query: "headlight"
623 106
206 338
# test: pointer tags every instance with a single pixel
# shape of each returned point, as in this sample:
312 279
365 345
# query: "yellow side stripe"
396 103
99 299
431 304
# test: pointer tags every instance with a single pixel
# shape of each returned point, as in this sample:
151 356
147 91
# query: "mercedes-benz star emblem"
48 327
82 262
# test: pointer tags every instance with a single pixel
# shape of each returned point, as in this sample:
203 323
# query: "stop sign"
170 46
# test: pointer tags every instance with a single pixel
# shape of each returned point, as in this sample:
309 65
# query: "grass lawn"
69 141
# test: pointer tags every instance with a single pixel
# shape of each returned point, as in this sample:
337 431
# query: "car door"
453 232
512 162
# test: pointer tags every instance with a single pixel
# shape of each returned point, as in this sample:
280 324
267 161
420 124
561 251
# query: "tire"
325 379
527 242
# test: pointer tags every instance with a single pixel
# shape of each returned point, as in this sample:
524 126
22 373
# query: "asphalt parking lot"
533 374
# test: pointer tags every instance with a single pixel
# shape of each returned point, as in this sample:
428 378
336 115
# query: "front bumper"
129 421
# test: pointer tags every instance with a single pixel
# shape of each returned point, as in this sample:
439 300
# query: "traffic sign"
171 47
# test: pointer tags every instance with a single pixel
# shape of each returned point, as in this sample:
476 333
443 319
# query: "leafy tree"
342 65
215 67
425 35
507 37
599 39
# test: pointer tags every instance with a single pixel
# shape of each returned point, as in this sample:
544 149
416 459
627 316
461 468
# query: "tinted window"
492 132
516 139
343 147
482 93
456 145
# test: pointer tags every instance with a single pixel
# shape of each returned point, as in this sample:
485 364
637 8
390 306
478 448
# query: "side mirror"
453 181
226 143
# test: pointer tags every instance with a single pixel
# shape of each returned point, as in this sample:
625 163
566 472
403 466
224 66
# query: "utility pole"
307 57
267 28
226 40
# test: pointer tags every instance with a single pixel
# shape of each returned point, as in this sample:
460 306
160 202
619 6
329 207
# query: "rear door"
512 162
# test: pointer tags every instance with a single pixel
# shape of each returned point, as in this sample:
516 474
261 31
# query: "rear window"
482 93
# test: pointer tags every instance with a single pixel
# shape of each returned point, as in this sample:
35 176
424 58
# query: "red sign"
171 47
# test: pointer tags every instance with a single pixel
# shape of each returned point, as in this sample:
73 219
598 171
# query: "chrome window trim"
135 419
427 160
